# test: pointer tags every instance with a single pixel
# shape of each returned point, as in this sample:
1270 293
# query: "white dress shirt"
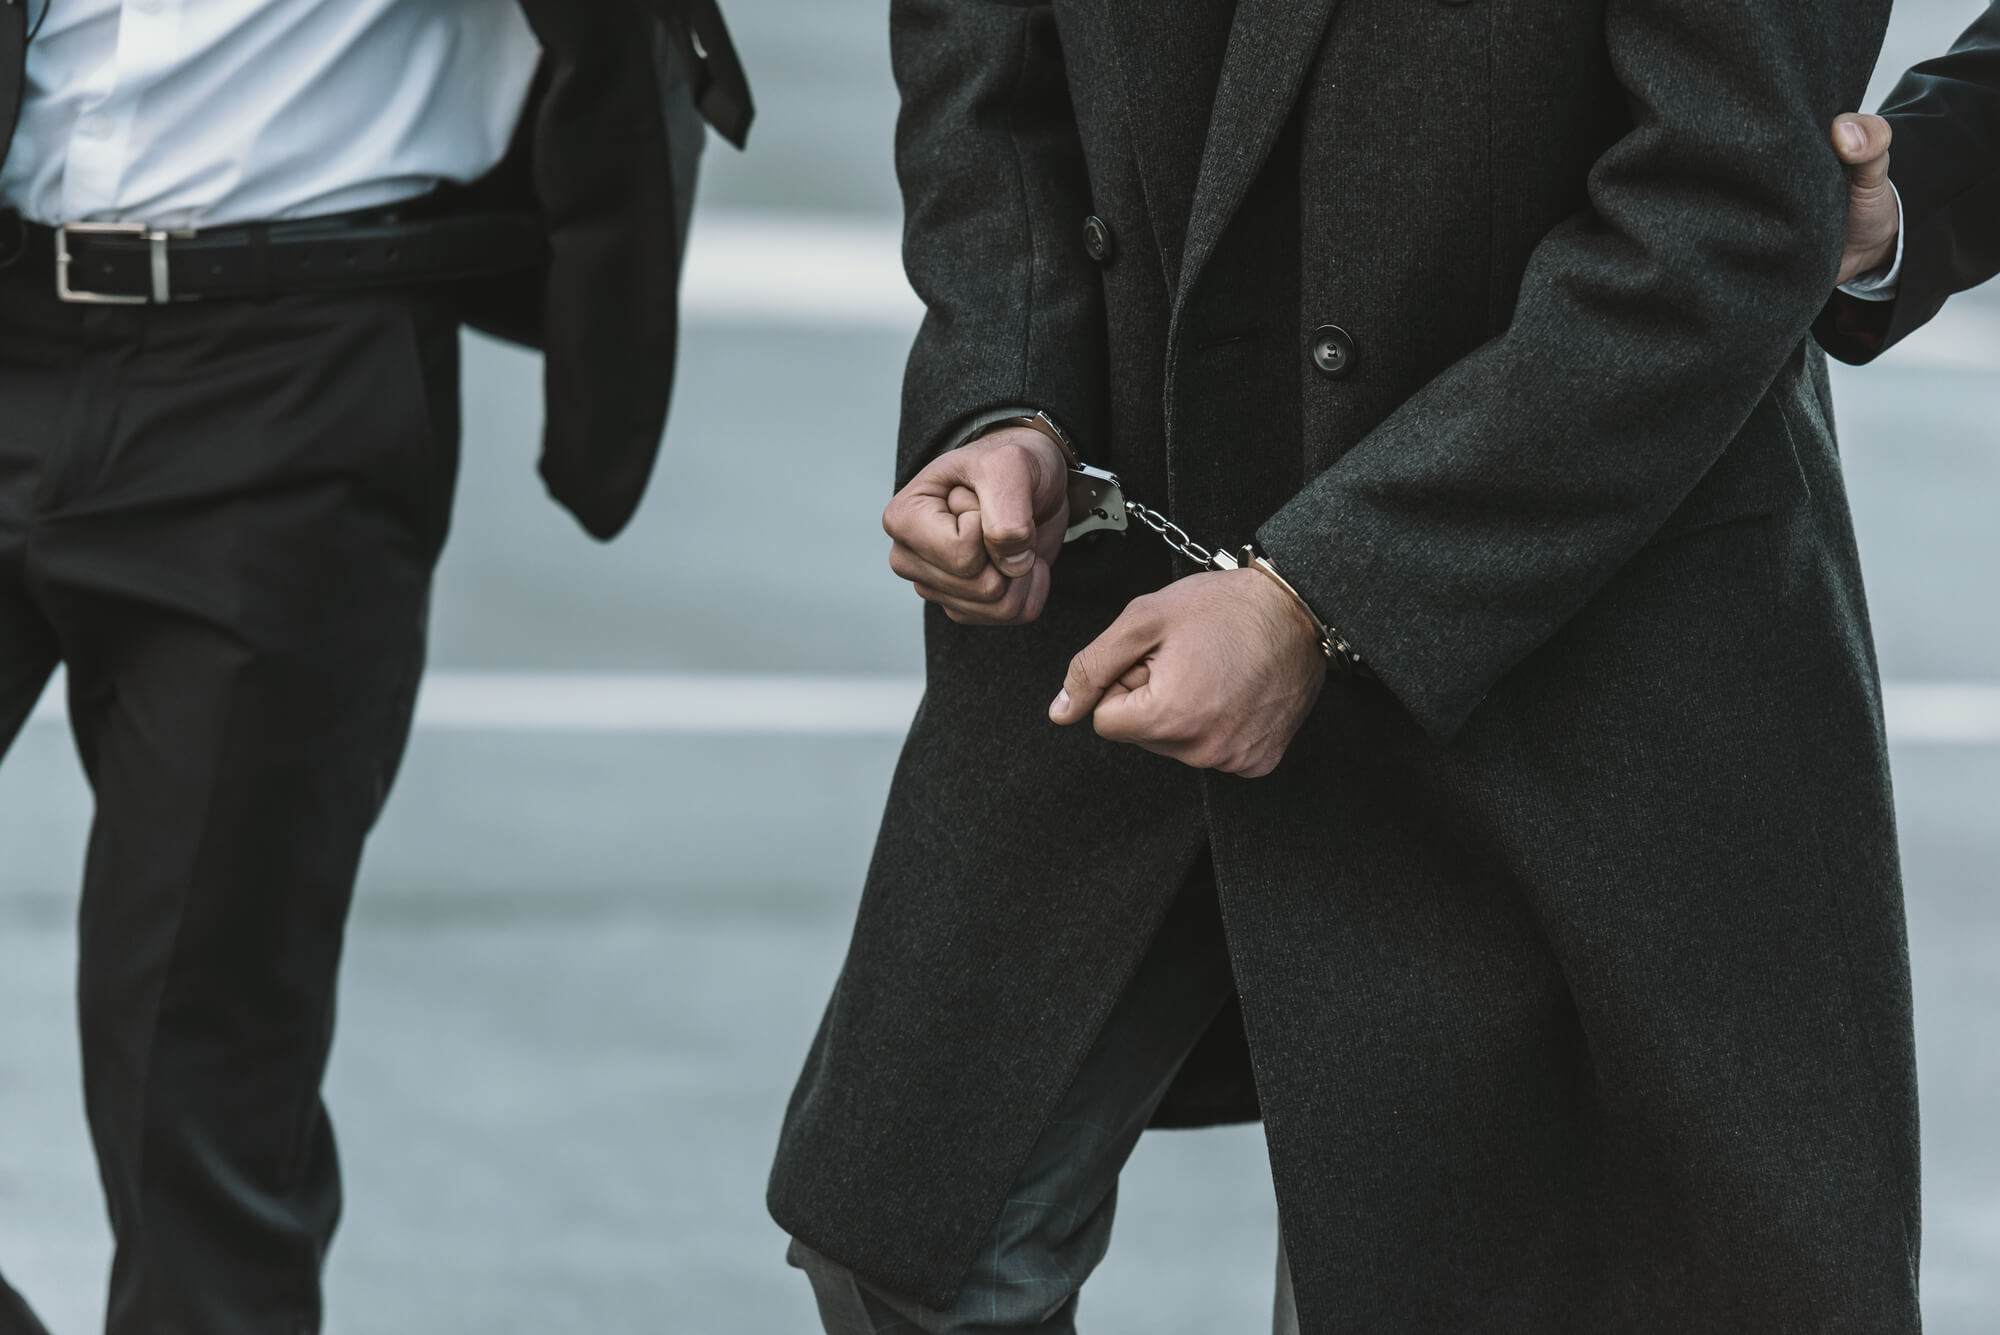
197 113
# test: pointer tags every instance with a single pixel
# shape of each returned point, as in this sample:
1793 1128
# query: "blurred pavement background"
615 881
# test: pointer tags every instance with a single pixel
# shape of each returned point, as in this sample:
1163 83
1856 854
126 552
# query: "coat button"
1333 351
1097 242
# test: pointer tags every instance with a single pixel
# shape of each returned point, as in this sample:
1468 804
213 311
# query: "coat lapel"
1169 54
1271 46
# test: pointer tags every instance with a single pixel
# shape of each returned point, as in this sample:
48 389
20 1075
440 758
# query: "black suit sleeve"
994 197
1474 523
1945 162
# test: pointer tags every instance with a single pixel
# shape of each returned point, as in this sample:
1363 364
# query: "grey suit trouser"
1055 1226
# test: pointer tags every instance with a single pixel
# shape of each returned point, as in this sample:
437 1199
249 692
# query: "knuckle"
1014 454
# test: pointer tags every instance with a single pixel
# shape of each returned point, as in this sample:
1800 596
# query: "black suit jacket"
1946 165
606 156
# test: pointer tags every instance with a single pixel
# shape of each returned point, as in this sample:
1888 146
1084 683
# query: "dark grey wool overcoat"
1570 951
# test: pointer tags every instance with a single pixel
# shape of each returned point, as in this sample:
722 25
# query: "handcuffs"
1097 503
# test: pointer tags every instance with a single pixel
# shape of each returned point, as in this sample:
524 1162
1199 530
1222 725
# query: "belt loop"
259 237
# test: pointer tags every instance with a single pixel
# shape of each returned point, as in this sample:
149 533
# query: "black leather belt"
129 264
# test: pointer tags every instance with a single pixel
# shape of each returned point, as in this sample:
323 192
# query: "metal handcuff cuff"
1097 503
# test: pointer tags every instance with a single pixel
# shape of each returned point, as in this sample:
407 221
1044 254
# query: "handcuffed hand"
1217 671
1873 217
977 530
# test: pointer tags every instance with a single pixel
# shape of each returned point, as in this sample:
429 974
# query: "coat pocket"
1758 474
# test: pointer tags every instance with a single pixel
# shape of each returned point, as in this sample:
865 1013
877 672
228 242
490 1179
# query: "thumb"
1862 141
1006 480
1104 664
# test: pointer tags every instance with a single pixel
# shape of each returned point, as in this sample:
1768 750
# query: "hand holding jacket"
1874 211
1945 120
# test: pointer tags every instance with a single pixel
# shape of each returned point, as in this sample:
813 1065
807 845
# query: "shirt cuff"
981 423
1882 284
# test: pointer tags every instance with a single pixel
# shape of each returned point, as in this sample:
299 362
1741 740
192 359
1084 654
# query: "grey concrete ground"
584 967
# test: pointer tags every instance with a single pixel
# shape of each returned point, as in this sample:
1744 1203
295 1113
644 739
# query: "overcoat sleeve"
1484 513
994 194
1945 161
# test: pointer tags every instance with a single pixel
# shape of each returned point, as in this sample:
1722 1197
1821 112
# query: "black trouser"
223 518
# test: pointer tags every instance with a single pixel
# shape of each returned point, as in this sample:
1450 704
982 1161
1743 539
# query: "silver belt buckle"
156 241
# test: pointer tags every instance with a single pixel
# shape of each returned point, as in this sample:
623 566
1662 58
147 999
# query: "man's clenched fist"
1873 217
977 530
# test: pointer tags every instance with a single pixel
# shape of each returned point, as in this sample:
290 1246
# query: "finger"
1037 596
986 586
1255 768
976 614
1873 214
1140 718
1005 479
1049 534
1862 141
1104 662
925 524
1021 601
1129 714
968 609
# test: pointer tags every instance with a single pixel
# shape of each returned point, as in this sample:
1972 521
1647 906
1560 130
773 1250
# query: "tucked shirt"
197 113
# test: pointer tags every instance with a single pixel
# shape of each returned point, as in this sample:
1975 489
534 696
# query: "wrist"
1329 643
1292 625
1044 425
1046 449
1874 263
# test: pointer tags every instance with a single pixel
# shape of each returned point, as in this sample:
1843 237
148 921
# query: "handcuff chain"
1331 644
1172 534
1098 495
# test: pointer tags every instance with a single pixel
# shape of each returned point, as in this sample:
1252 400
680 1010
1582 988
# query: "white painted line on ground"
668 702
693 704
798 269
1965 713
647 702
